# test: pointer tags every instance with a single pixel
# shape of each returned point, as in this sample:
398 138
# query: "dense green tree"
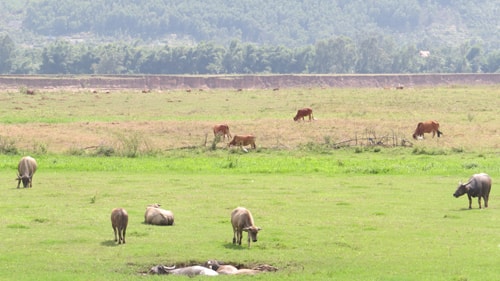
337 55
57 58
375 55
7 48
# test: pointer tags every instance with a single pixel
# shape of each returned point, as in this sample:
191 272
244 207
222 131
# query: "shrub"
8 146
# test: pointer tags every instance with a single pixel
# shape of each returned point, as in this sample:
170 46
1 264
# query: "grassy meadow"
355 213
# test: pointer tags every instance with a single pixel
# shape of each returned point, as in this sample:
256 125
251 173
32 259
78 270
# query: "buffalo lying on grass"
229 269
158 216
188 271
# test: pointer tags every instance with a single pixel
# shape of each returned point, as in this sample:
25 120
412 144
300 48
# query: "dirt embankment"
166 82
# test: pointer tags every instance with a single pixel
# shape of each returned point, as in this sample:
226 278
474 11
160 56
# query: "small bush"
423 151
8 146
40 148
75 151
469 166
104 150
230 163
133 145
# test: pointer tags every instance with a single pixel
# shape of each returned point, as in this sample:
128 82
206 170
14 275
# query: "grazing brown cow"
243 140
427 127
222 130
242 220
119 221
301 113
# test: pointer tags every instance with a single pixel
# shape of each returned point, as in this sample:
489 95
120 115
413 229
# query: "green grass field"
357 213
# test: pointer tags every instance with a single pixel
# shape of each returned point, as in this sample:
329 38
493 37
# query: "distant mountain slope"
278 22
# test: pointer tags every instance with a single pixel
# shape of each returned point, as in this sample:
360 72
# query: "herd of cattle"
221 131
479 185
241 219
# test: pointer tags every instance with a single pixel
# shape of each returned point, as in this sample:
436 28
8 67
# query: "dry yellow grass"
63 120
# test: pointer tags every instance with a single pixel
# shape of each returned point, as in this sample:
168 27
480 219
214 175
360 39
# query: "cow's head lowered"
252 232
25 179
461 189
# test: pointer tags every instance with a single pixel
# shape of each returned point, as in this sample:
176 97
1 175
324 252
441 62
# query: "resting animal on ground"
188 271
222 130
158 216
26 169
479 185
427 127
228 269
242 220
119 221
301 113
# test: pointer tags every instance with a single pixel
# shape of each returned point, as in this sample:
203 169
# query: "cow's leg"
120 237
123 237
485 197
249 239
116 234
479 201
234 236
470 201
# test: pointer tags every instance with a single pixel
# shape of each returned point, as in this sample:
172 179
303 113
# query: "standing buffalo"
479 185
119 221
242 220
26 169
158 216
427 127
301 113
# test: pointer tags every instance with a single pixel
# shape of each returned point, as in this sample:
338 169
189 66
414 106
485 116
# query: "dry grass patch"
168 120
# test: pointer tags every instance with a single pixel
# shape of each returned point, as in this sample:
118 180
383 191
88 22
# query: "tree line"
373 54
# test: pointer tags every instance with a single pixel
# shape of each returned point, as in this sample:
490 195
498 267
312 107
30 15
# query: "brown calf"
301 113
243 140
222 130
427 127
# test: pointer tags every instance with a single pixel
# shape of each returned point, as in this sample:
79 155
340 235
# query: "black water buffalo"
119 221
26 169
479 185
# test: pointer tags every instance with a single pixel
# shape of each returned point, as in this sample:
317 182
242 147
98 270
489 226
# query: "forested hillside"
252 36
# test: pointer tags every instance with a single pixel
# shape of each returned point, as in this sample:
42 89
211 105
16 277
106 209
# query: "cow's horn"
169 267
